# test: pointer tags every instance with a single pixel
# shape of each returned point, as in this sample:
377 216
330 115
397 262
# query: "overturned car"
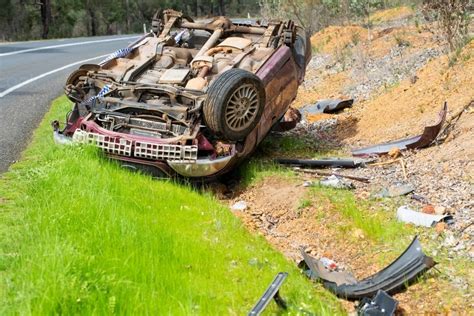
189 98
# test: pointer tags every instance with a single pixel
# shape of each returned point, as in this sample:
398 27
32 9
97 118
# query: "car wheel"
234 104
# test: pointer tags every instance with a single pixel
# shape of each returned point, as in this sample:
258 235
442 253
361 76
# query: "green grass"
256 170
379 225
291 146
80 235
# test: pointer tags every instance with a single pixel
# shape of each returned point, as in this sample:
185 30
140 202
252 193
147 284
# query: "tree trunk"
127 12
45 17
93 22
221 7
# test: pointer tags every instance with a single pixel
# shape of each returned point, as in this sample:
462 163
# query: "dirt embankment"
399 75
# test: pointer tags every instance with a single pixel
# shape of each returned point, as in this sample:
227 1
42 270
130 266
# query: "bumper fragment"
403 271
273 291
201 167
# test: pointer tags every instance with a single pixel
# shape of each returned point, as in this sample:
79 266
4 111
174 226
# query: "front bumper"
183 159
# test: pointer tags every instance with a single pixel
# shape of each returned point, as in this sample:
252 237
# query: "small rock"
428 209
439 210
449 241
358 233
328 254
239 206
396 190
308 183
440 227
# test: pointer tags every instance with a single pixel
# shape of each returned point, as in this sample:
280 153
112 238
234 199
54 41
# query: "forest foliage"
36 19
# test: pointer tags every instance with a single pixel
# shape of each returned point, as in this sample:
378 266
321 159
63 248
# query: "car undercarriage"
191 98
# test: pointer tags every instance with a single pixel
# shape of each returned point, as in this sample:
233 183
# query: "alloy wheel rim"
242 107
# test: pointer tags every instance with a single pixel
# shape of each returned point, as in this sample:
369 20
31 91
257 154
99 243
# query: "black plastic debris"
381 305
327 106
398 275
273 291
322 163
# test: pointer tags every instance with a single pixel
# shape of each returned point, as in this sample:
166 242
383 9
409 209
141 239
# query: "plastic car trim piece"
313 163
273 291
381 305
403 271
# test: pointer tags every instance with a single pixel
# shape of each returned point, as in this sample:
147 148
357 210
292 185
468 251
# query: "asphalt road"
32 74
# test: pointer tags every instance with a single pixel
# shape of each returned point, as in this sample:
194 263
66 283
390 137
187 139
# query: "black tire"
234 104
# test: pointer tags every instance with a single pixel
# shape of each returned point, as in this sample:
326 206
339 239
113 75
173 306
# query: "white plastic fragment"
336 182
60 139
239 206
407 215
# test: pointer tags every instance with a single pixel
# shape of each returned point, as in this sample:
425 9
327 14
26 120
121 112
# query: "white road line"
24 83
66 45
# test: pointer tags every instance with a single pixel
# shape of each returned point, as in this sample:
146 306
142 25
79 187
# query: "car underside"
188 98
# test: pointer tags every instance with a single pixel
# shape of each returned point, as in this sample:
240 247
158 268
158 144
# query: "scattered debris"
273 291
336 182
443 135
321 163
381 305
396 190
419 198
407 215
439 210
429 135
403 271
384 163
239 206
327 106
404 169
440 227
289 121
428 209
59 138
308 184
394 152
322 173
328 263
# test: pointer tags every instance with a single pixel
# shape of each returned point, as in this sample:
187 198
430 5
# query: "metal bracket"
273 291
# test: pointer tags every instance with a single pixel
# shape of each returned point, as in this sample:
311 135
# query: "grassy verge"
79 235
